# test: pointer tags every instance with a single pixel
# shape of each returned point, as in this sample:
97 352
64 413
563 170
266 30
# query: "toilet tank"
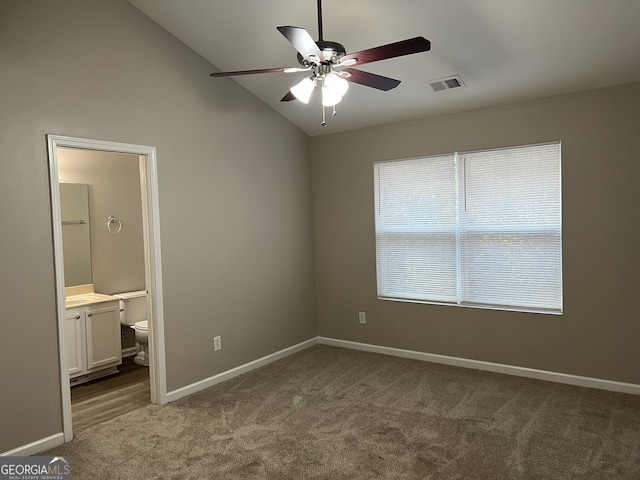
133 307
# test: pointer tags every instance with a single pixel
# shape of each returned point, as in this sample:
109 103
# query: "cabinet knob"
78 317
89 314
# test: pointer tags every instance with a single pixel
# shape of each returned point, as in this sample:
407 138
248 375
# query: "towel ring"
114 225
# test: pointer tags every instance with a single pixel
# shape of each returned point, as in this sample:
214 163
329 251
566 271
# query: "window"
481 229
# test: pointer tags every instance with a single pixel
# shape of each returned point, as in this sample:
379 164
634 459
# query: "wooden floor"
100 400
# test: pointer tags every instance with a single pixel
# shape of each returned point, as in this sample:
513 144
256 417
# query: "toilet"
134 313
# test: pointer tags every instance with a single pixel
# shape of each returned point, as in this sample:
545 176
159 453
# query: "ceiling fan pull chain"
324 121
334 111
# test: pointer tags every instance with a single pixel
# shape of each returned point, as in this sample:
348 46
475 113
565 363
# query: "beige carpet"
330 413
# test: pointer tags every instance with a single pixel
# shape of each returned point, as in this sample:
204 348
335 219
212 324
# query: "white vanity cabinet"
93 339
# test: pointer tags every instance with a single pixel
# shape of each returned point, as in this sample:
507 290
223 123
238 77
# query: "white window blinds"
478 229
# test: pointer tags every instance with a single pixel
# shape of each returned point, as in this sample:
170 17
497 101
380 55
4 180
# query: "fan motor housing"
334 50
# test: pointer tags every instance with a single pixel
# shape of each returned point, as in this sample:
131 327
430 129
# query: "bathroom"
107 251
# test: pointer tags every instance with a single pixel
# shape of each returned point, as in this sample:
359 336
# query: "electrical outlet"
362 317
217 343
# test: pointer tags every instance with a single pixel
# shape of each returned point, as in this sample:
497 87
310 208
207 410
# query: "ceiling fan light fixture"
333 89
329 99
303 89
336 84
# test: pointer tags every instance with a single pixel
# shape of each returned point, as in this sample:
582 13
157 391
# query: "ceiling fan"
330 64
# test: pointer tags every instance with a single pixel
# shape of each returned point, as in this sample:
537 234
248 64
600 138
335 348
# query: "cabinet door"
74 332
103 336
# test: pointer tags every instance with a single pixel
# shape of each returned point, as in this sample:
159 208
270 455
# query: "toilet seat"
141 326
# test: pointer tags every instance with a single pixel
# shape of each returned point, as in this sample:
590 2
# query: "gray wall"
114 190
234 188
598 334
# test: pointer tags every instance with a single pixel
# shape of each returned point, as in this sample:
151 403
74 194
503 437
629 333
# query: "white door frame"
153 270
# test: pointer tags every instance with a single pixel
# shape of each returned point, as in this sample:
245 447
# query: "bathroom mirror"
76 240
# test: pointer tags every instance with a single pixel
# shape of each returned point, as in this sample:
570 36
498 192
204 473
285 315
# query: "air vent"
446 83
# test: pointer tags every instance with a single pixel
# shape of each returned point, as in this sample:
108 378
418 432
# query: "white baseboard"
129 352
589 382
36 447
58 439
234 372
631 388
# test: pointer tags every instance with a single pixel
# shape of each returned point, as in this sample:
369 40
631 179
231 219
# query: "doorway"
152 277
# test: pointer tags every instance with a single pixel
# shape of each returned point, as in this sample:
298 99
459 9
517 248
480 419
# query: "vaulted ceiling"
504 51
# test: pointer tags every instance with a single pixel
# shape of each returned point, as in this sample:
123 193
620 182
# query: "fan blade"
392 50
302 42
264 70
288 97
371 79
